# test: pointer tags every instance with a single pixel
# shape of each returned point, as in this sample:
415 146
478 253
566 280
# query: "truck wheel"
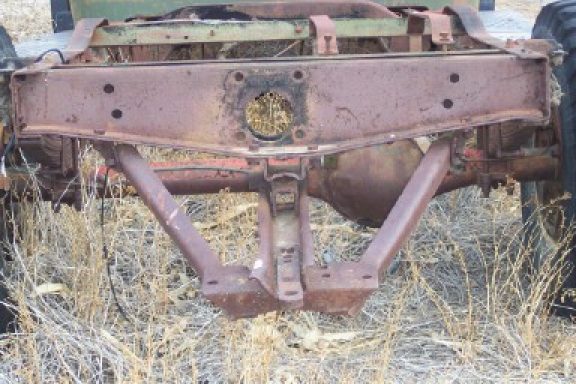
6 51
549 207
487 5
7 316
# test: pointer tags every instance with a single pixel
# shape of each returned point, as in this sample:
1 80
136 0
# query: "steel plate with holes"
335 104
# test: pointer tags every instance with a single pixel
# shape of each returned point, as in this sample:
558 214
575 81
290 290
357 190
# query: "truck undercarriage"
372 109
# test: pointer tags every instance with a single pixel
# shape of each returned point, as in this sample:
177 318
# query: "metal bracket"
440 26
285 182
475 29
324 29
82 36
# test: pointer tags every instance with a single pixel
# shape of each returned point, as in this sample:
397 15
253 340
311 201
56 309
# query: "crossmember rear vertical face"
370 108
334 105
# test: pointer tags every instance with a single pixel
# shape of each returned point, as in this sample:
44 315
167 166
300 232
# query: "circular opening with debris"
269 116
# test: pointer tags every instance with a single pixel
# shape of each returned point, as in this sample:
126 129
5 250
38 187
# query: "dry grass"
459 309
25 18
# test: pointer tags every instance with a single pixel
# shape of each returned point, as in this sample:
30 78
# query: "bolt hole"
454 78
299 134
448 103
109 88
186 37
326 275
117 114
239 76
367 277
291 293
213 282
298 75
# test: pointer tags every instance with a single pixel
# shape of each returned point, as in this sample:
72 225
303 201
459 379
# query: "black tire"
7 316
487 5
6 51
61 16
550 207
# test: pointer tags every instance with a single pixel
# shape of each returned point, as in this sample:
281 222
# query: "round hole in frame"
117 114
269 116
239 76
448 104
108 88
299 134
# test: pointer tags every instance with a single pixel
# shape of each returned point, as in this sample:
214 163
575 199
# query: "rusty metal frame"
210 176
328 119
186 31
350 113
440 26
324 29
284 275
122 9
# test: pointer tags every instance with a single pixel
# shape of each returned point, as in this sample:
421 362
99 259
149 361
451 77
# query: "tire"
6 51
549 207
7 316
487 5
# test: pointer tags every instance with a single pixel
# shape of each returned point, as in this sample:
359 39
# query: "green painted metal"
198 32
122 9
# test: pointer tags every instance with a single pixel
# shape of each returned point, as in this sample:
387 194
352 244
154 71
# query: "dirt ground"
529 8
460 308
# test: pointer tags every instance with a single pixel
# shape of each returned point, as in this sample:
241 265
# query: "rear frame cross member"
285 275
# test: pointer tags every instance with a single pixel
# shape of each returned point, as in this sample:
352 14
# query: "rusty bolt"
298 29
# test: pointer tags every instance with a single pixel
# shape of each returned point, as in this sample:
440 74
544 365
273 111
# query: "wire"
53 50
106 253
